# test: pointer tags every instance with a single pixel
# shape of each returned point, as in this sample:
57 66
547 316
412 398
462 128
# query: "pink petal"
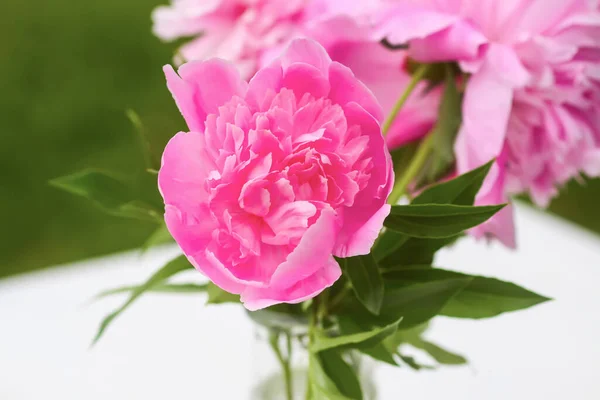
363 238
264 85
213 269
345 88
311 254
366 215
304 78
192 230
184 171
487 106
256 299
501 226
457 42
401 24
203 88
289 221
306 51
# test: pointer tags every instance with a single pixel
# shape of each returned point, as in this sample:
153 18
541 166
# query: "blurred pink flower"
384 72
251 33
532 98
236 30
277 175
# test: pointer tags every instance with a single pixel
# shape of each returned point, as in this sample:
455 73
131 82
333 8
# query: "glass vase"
281 366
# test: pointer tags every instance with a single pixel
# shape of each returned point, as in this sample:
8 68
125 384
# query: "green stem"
285 363
416 78
411 172
313 320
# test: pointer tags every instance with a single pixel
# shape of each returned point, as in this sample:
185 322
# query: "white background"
173 347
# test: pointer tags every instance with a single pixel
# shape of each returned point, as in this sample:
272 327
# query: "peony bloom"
236 30
251 33
384 73
277 175
532 98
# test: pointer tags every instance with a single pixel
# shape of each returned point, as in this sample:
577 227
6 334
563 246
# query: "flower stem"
313 320
411 172
285 362
416 78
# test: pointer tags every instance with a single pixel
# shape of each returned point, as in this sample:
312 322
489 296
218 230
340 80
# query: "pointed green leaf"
489 297
380 353
142 138
351 324
414 338
364 275
460 190
482 298
191 288
416 251
109 193
418 303
439 354
158 278
320 384
341 374
437 220
411 362
366 339
388 243
286 317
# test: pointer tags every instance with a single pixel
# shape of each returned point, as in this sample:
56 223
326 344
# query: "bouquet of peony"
334 147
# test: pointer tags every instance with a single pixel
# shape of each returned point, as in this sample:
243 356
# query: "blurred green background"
69 71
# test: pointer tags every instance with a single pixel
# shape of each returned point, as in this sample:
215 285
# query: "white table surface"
174 347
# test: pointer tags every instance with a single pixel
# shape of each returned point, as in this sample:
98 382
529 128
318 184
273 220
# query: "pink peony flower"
252 33
533 91
236 30
384 73
277 175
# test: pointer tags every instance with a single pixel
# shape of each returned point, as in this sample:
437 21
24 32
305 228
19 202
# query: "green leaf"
418 303
141 136
216 295
446 128
366 339
351 324
109 193
394 248
482 298
380 353
388 243
489 297
191 288
286 317
437 220
341 374
460 191
411 362
320 384
416 251
442 356
414 338
364 275
158 278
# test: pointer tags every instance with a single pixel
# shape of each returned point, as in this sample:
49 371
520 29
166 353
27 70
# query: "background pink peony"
532 99
276 176
236 30
252 33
